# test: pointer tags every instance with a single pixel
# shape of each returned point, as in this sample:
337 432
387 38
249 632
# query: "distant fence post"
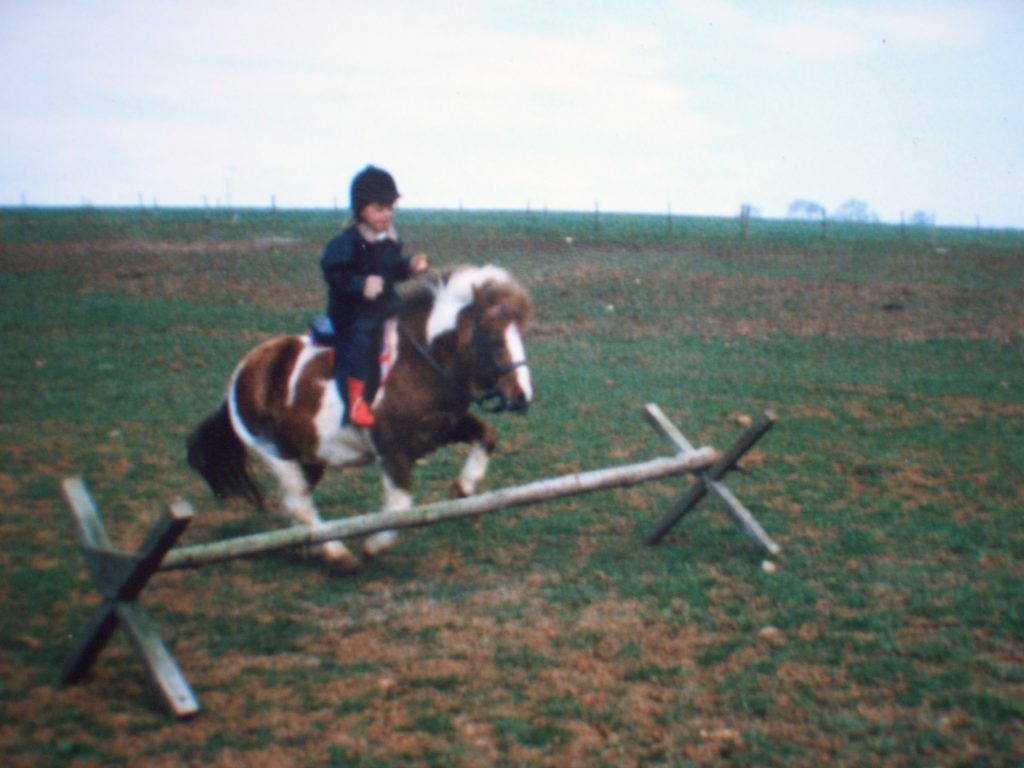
597 219
744 221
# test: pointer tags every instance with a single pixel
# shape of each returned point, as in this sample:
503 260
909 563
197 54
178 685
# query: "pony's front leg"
297 499
481 439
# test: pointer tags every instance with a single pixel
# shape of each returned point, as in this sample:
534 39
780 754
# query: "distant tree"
805 209
921 219
855 210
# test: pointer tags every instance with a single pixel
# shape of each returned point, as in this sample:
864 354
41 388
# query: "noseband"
492 399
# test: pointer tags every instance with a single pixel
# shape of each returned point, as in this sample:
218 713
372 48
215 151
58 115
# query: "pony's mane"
457 291
417 298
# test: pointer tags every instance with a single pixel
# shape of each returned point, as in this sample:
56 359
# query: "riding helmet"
372 185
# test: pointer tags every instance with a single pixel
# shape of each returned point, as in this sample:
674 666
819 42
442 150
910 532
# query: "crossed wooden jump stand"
121 576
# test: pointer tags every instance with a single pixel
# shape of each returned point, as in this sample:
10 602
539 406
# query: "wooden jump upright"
120 575
710 480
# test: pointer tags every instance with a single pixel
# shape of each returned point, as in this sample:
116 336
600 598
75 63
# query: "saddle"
321 331
322 334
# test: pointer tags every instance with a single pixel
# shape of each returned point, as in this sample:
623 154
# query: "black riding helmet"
372 185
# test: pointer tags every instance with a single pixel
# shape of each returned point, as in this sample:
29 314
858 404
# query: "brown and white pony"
454 343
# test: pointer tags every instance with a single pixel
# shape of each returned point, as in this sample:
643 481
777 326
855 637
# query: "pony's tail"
216 453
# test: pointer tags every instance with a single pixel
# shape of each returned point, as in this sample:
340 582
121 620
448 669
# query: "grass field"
891 633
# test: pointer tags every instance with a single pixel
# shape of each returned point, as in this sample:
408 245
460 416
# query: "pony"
452 343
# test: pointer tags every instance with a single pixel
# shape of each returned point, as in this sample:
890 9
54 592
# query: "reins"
492 401
425 354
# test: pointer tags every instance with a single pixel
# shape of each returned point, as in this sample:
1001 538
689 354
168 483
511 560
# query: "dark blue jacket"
347 261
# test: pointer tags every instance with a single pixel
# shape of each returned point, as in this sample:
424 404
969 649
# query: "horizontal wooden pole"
428 514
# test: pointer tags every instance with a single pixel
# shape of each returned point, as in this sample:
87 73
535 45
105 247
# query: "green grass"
547 634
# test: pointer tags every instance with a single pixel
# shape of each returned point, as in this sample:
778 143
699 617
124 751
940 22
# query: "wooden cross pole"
709 480
120 576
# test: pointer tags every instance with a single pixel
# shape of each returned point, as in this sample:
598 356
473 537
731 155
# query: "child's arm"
418 264
339 270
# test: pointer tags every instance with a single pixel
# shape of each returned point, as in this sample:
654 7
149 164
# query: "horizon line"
669 213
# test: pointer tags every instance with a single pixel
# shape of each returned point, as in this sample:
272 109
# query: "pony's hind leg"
395 498
297 498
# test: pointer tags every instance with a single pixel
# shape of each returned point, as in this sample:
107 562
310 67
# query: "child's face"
377 216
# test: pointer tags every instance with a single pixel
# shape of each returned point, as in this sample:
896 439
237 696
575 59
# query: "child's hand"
373 287
419 264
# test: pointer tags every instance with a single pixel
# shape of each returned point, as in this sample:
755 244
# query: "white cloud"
701 103
812 41
931 27
712 12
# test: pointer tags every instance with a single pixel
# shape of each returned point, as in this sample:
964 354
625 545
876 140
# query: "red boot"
360 414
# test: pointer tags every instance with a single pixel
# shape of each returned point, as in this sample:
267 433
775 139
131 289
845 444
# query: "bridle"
492 399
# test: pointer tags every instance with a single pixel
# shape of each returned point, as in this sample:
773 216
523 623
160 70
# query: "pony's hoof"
456 491
375 545
339 558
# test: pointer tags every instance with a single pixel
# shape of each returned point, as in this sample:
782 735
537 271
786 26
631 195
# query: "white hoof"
338 556
379 542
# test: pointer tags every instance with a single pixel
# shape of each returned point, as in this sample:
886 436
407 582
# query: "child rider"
361 267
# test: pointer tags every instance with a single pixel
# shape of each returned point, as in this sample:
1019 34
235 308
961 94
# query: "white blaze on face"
517 353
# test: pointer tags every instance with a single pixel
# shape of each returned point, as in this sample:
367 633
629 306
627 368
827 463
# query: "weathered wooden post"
708 481
120 576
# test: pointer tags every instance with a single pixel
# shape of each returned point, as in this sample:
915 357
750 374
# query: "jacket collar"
373 237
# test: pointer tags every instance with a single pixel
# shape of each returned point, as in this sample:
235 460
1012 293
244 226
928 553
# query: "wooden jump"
121 575
429 514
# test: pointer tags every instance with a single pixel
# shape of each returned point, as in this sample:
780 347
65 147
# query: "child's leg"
357 355
356 369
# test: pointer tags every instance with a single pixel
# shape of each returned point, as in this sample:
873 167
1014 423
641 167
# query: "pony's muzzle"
497 400
512 391
519 404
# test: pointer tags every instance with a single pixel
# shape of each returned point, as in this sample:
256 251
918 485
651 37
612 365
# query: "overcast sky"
700 105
